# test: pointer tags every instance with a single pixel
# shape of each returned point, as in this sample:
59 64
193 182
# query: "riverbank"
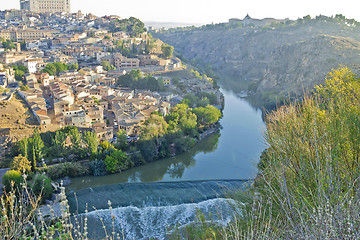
214 129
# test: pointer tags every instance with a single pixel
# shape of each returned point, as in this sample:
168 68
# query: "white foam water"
135 223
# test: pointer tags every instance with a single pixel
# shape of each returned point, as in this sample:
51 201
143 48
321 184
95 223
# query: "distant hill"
167 25
274 61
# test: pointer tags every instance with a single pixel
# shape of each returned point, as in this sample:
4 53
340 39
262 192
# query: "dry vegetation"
16 117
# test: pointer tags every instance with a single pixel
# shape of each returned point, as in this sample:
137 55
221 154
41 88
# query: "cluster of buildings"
45 32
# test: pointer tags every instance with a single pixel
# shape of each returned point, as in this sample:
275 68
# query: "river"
179 185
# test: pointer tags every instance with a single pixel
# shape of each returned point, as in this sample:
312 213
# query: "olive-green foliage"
167 50
121 141
136 80
23 87
67 169
41 186
207 116
200 100
91 142
12 176
131 25
20 71
56 68
182 118
21 164
8 44
116 161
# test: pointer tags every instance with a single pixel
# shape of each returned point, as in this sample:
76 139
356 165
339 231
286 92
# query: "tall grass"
22 218
308 182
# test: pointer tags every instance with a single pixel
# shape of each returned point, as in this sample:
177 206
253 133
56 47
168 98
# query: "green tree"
74 66
58 144
116 161
19 75
203 102
167 50
75 136
121 141
91 142
207 116
22 147
38 145
106 146
21 164
8 44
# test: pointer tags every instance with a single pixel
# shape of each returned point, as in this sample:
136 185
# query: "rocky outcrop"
272 61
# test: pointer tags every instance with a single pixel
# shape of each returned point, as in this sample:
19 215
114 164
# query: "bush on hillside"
12 176
41 186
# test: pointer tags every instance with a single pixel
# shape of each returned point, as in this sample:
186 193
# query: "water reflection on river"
231 154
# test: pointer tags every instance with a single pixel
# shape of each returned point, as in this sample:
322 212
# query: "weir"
152 210
152 194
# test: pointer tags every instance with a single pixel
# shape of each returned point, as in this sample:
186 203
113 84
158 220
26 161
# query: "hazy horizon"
204 12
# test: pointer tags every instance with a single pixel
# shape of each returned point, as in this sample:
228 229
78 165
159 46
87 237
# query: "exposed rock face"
272 62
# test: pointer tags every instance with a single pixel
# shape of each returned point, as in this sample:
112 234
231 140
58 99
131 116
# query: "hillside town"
66 68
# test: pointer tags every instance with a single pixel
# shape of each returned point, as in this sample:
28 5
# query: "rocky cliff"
272 61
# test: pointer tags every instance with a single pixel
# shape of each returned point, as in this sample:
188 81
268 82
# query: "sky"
209 11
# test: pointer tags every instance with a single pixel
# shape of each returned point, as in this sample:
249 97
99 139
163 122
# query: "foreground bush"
12 179
41 186
22 218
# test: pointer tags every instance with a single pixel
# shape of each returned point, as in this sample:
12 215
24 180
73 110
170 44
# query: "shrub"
12 176
41 185
21 164
98 167
68 169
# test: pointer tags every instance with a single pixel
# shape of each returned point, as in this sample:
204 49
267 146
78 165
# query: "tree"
107 67
19 75
207 116
154 127
106 146
167 50
8 44
38 145
75 137
181 117
116 161
22 147
58 143
91 142
121 141
74 66
21 164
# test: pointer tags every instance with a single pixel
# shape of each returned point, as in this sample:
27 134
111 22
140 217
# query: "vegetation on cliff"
272 62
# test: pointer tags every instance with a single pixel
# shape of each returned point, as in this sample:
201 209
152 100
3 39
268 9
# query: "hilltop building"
45 6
